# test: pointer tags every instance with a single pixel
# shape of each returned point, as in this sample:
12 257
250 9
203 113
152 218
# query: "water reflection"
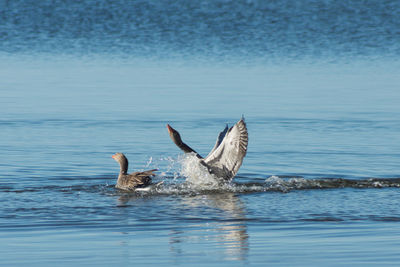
206 223
226 229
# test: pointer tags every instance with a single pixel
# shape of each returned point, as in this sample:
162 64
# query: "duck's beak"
169 128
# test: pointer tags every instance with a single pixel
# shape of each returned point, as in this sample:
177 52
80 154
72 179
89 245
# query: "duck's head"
122 160
118 157
175 136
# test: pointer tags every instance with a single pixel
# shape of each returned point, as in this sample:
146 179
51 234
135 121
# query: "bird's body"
133 180
226 157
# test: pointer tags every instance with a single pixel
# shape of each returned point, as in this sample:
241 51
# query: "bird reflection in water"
225 227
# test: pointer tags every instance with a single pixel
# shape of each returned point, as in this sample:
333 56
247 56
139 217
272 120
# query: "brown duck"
133 180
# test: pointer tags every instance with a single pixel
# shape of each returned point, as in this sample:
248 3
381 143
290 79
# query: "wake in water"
194 178
186 176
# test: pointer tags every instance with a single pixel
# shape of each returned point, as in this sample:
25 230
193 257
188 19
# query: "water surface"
317 82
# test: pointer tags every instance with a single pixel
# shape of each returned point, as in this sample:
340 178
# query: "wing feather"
220 137
226 159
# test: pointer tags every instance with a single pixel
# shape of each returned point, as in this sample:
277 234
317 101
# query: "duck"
133 180
227 155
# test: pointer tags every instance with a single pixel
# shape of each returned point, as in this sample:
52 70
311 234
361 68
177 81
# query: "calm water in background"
318 84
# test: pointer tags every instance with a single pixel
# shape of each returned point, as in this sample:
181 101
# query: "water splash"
196 174
150 160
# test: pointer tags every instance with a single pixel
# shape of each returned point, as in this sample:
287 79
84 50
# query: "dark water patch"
384 218
58 188
170 187
330 183
114 224
323 219
348 218
252 29
33 223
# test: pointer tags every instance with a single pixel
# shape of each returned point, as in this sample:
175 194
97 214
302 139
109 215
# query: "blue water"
317 82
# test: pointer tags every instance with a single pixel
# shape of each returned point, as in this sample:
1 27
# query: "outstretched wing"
219 140
226 159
